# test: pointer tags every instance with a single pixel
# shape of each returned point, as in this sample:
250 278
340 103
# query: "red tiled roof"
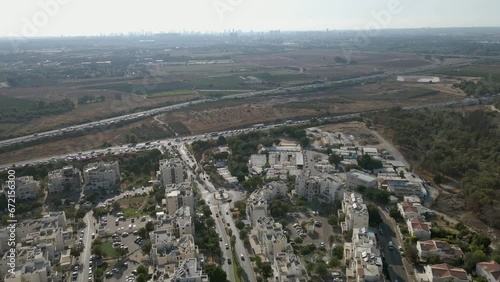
418 224
445 270
492 267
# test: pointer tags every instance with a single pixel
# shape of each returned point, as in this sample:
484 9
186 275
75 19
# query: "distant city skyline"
91 17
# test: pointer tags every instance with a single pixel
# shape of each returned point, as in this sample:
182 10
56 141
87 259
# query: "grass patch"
235 263
400 95
9 103
108 250
132 213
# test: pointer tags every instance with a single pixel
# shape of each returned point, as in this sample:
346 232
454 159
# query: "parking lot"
321 229
122 232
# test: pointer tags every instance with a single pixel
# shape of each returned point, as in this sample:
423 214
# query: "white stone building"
25 188
317 189
189 270
66 178
356 178
355 212
362 257
445 273
171 171
177 196
98 176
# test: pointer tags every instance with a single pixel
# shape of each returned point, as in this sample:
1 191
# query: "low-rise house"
408 210
24 188
419 228
489 270
445 273
356 178
445 251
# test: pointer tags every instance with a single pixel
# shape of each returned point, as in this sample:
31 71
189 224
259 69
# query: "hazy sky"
93 17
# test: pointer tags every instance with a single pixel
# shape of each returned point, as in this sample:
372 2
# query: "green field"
485 71
148 88
108 250
171 93
10 103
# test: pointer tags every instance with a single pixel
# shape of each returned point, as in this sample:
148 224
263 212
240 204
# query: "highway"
121 149
152 112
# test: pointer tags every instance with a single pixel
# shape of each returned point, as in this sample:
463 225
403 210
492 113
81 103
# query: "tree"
215 273
411 253
150 226
146 247
321 268
141 269
374 216
142 278
142 232
116 205
278 208
304 142
433 259
221 140
471 259
369 163
266 270
239 224
331 239
75 251
333 220
298 240
96 250
206 211
335 159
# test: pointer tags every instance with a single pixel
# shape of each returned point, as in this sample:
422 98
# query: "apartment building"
489 270
445 251
189 270
419 228
257 206
177 196
356 178
362 257
405 188
25 187
35 269
171 171
271 236
317 189
445 273
167 251
68 178
274 190
355 212
102 176
288 267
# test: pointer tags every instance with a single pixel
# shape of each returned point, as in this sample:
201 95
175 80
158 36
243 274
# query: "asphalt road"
393 257
87 242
